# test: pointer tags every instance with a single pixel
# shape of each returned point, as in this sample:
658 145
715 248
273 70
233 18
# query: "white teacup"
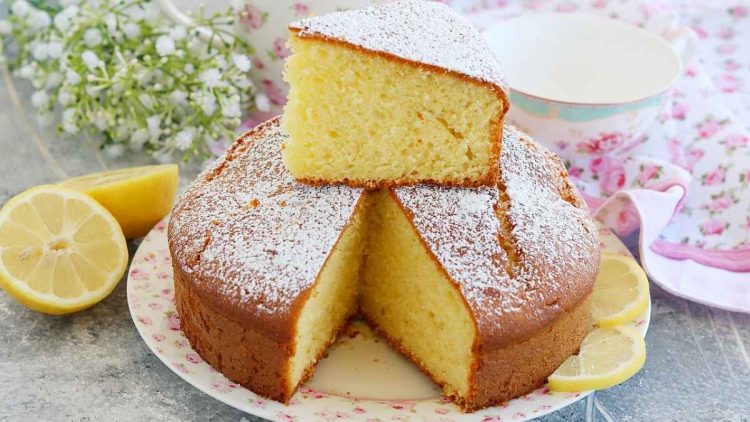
575 78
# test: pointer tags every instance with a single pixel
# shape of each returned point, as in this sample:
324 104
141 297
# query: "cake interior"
406 297
398 289
332 300
340 98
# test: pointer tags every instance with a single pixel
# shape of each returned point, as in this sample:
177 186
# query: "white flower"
154 125
139 138
65 97
178 33
206 101
143 76
246 84
145 99
114 150
262 102
55 49
54 80
5 27
40 99
63 19
68 2
208 105
69 121
211 78
20 8
131 30
40 51
92 37
72 77
26 72
178 97
232 110
39 20
91 60
111 22
241 62
164 46
184 139
189 69
101 120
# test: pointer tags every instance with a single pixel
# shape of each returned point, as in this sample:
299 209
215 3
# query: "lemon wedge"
60 250
138 197
620 291
608 356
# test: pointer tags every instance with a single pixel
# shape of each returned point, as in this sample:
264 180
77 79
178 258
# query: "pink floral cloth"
686 184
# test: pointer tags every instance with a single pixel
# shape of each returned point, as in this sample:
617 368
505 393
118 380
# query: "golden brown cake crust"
448 44
243 354
521 367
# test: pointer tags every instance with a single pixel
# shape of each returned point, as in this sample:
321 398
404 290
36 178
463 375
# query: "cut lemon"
138 197
608 356
620 292
60 251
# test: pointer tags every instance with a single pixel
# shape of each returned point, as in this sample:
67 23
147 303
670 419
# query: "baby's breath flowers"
121 69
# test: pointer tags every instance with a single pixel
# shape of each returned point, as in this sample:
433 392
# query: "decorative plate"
360 379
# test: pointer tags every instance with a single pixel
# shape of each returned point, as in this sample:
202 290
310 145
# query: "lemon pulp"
60 251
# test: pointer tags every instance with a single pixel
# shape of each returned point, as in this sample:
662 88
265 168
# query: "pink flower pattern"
251 17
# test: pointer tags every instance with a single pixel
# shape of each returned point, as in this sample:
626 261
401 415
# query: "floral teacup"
578 79
263 24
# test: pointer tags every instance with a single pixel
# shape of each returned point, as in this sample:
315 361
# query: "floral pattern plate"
360 379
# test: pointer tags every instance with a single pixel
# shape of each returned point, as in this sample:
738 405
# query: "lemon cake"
391 95
486 289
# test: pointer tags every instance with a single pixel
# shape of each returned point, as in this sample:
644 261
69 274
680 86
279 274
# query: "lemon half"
60 250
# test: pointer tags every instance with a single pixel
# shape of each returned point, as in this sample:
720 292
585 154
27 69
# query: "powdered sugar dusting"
415 30
554 241
250 234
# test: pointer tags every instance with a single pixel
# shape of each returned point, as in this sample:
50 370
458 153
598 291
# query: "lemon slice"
138 197
60 251
608 356
620 292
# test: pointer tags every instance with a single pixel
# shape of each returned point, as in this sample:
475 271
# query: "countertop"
93 365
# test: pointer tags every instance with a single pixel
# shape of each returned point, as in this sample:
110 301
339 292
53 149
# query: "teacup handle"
684 41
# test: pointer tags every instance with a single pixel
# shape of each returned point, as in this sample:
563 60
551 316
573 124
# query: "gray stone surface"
94 366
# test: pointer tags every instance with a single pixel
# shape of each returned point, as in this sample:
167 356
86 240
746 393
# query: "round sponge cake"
486 289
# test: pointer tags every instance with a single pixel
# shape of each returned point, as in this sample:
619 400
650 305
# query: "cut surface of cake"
486 289
391 95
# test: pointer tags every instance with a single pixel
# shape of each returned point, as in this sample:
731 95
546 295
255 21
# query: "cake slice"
391 95
487 290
